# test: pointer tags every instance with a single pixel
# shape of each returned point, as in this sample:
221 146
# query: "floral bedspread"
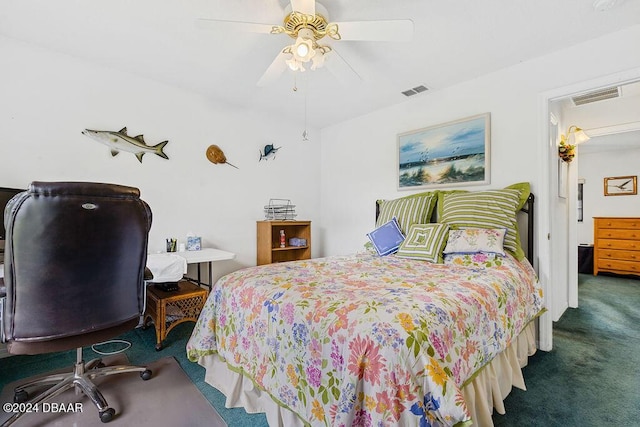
364 340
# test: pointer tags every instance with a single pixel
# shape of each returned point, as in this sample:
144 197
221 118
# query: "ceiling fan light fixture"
604 5
318 60
303 50
295 65
307 22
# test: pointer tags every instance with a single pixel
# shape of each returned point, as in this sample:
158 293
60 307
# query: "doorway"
564 233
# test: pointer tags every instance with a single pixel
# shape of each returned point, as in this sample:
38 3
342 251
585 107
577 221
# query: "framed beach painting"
448 154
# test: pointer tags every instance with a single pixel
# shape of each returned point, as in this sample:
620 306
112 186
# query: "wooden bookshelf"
268 241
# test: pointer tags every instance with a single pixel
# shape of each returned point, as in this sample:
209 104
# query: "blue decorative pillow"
387 238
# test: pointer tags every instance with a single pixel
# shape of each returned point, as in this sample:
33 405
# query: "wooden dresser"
616 246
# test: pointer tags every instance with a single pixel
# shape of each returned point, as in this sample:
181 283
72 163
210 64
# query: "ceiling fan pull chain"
305 133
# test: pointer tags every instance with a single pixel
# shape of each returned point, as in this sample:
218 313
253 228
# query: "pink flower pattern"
340 328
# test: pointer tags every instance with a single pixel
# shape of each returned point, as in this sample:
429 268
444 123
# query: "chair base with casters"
74 275
80 379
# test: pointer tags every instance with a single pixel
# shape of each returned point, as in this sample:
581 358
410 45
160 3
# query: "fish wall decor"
216 155
120 141
269 152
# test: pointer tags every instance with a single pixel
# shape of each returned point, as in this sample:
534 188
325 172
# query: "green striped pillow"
424 242
415 209
524 187
486 209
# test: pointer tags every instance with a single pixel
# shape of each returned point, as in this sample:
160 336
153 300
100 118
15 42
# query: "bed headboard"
528 209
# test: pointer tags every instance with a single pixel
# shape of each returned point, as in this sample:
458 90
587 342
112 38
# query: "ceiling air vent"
595 96
416 90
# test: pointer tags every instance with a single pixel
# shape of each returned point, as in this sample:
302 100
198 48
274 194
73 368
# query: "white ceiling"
454 41
619 141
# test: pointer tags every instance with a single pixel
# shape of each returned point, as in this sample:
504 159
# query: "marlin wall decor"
120 141
269 152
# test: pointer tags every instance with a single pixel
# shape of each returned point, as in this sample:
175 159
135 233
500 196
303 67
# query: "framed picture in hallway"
447 154
621 186
563 171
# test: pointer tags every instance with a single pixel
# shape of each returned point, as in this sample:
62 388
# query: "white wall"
48 99
594 167
561 195
359 156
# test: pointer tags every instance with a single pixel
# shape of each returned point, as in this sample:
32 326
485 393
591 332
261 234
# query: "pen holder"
172 245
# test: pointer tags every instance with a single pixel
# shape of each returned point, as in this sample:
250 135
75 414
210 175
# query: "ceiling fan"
307 22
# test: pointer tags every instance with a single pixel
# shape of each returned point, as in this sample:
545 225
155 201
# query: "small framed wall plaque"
621 186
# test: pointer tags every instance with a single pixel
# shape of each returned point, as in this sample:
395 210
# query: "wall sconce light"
568 142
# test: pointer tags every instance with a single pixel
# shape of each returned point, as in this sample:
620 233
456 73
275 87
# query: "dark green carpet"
592 375
590 378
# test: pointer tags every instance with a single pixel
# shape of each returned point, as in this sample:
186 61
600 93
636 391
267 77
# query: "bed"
365 339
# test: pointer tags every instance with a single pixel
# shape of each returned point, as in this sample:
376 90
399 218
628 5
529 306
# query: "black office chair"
75 257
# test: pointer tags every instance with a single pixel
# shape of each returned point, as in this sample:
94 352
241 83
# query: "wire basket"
280 210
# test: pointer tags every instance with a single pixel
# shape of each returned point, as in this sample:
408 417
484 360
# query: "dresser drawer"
616 245
632 267
626 223
633 245
612 233
606 254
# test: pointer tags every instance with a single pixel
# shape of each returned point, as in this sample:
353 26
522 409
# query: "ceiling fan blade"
235 26
341 69
307 7
277 67
398 30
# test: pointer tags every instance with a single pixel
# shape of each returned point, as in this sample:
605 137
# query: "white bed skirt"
484 394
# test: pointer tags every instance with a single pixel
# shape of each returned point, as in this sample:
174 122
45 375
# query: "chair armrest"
3 295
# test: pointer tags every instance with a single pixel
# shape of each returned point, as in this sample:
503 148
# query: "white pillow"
473 240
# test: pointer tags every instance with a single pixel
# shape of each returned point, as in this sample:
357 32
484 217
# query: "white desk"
208 255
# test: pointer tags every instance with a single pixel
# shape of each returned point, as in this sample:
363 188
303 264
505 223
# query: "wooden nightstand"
268 241
168 309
